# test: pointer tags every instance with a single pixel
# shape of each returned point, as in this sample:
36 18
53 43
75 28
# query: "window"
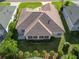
59 34
46 36
29 37
40 36
78 27
23 30
35 37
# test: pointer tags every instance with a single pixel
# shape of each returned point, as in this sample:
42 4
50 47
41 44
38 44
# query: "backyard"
53 44
39 45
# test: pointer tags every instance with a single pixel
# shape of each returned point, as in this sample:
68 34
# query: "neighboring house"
6 13
41 24
71 14
2 0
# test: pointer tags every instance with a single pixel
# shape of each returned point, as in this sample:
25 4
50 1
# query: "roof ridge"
33 24
45 27
21 21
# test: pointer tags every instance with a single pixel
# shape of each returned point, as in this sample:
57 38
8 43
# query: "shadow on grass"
40 45
70 36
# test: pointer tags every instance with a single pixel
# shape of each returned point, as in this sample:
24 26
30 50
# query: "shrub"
65 48
67 3
35 53
21 54
75 52
27 54
52 53
44 52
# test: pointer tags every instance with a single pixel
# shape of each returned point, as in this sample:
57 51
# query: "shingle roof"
37 23
28 20
53 14
73 13
39 30
49 23
6 14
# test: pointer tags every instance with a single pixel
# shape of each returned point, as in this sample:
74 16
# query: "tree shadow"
27 45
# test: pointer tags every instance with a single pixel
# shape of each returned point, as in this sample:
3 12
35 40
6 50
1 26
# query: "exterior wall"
21 34
57 34
75 28
67 18
2 33
38 38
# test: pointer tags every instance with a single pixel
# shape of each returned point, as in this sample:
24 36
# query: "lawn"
30 4
58 5
39 45
4 4
54 44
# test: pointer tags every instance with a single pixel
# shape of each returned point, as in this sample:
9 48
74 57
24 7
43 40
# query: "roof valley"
32 25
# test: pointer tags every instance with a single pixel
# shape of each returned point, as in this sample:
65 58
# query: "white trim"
67 18
45 27
12 18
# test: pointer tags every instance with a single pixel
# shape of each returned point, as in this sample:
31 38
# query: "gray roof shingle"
50 24
46 22
6 14
38 30
73 13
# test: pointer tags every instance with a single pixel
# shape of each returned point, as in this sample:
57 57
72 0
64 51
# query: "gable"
29 20
6 15
38 30
50 24
73 13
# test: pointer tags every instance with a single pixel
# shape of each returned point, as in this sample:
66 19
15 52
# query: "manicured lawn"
30 5
61 44
58 5
39 45
4 4
54 44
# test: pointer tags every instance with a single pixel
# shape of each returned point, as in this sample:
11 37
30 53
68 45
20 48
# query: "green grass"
58 5
30 5
39 45
61 44
4 4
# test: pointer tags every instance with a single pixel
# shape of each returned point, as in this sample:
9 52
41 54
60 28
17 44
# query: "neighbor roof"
6 13
41 21
73 13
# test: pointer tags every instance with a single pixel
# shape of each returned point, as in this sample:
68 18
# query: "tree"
8 47
65 48
12 26
13 30
67 3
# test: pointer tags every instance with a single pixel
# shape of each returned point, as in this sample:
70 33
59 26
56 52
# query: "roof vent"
48 21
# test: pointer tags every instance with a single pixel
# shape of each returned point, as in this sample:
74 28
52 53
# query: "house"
71 14
41 24
6 13
2 0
